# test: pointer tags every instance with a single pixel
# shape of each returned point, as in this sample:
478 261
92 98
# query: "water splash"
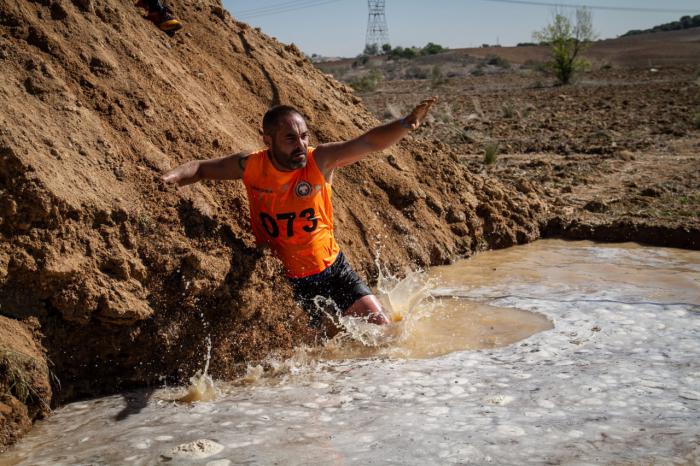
201 386
276 368
405 301
421 326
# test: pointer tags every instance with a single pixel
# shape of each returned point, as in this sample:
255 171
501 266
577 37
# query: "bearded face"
289 142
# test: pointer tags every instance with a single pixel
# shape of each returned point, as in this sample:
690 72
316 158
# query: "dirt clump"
125 277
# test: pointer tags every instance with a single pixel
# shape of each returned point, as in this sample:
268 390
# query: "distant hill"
662 48
685 22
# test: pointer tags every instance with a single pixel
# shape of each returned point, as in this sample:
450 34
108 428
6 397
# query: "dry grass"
17 379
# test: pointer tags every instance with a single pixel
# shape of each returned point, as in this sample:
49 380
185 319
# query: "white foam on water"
219 463
614 382
197 449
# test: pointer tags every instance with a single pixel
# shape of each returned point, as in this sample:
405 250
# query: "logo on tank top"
302 189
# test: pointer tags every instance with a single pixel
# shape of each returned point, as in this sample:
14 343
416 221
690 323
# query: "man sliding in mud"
289 191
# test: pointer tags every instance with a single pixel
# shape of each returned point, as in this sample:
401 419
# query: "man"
289 191
160 15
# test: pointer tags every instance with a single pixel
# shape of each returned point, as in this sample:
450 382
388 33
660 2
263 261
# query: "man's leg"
370 308
340 284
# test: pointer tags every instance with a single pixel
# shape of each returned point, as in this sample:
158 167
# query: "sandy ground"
616 155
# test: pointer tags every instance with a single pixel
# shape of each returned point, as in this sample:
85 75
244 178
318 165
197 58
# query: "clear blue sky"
338 27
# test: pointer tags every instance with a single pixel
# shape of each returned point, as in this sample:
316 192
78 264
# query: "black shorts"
337 286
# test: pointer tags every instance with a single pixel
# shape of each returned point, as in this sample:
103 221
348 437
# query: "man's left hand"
416 117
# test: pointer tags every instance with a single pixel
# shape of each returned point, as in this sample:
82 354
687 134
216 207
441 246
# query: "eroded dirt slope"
123 277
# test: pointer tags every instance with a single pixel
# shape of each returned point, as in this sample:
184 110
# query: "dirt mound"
125 277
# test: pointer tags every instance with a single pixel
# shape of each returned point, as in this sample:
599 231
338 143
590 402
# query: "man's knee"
370 308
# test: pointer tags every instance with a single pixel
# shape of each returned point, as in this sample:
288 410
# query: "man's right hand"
183 175
229 167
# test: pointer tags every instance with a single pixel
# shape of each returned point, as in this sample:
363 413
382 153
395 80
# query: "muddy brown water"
554 352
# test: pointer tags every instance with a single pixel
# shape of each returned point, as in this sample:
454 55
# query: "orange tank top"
291 212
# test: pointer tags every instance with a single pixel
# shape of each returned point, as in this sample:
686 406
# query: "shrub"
416 72
437 78
361 60
368 82
508 110
495 60
491 153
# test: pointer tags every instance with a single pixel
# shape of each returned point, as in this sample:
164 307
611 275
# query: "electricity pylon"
377 30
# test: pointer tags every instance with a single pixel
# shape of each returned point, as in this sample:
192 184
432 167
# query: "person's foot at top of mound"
160 15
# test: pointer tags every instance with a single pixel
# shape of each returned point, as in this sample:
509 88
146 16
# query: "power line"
285 7
593 7
281 8
275 9
268 7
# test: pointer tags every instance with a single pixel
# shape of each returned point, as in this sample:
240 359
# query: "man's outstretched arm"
224 168
337 154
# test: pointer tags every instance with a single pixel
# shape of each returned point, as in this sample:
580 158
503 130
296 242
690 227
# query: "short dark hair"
272 117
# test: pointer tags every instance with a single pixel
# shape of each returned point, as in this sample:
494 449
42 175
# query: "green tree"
371 50
400 52
567 38
432 49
